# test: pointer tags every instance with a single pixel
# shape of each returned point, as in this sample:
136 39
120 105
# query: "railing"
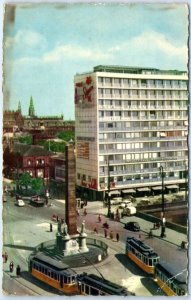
141 171
138 150
132 182
140 139
159 159
132 129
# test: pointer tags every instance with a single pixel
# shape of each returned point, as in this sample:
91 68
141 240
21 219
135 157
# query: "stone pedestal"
66 245
82 242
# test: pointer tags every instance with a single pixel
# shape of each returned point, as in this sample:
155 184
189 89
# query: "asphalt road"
26 227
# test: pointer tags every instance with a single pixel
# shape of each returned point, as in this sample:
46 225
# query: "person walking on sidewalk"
99 219
95 230
105 232
11 267
111 235
5 257
18 271
117 237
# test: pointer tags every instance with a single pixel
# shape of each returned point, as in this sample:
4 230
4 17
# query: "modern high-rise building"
132 121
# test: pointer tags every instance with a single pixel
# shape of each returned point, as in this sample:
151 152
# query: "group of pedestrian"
18 269
11 265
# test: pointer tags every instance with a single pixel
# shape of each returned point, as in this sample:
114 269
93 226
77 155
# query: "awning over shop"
114 193
145 189
171 187
156 188
130 191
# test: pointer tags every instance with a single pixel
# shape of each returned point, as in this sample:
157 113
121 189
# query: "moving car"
133 226
20 202
129 211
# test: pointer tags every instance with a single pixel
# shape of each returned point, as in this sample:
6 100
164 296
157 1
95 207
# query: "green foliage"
53 146
37 184
66 135
25 179
26 139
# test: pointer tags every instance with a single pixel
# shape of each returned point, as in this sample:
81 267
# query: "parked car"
133 226
125 203
37 200
116 200
20 202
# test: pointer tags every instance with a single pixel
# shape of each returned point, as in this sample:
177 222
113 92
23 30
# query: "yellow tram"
62 278
54 273
90 284
141 254
171 279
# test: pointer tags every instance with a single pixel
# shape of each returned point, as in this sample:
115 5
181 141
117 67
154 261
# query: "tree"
25 179
37 184
26 139
66 135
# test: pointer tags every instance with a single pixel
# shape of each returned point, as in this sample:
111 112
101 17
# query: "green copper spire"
31 108
19 107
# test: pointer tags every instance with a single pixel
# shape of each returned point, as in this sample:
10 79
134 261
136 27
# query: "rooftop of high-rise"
136 70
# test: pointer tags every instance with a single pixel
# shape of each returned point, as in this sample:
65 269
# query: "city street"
26 227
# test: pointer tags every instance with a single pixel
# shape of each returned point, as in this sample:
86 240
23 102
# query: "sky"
45 45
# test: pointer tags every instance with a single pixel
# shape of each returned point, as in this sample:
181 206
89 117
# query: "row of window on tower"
152 114
120 180
143 104
146 146
142 93
142 82
130 168
138 125
141 135
146 156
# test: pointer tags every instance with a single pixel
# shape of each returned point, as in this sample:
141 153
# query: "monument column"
70 206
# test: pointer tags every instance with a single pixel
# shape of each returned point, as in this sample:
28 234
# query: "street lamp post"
108 191
162 213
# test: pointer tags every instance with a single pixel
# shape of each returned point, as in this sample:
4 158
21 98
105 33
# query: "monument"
70 206
69 240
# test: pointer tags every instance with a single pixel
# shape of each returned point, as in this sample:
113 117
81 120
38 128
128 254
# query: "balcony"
142 150
156 159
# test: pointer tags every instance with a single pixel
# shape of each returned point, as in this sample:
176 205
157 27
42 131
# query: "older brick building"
28 158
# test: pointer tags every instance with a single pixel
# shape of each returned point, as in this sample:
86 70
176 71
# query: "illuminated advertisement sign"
84 92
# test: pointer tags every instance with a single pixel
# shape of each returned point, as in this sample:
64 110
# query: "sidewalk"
172 236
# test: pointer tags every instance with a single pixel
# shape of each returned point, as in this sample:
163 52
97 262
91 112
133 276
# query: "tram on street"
142 254
170 279
54 273
61 277
90 284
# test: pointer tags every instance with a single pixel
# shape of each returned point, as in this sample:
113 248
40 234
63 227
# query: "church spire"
19 107
31 108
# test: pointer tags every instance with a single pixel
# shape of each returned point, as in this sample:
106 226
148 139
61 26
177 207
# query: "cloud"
149 48
25 38
149 44
74 52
